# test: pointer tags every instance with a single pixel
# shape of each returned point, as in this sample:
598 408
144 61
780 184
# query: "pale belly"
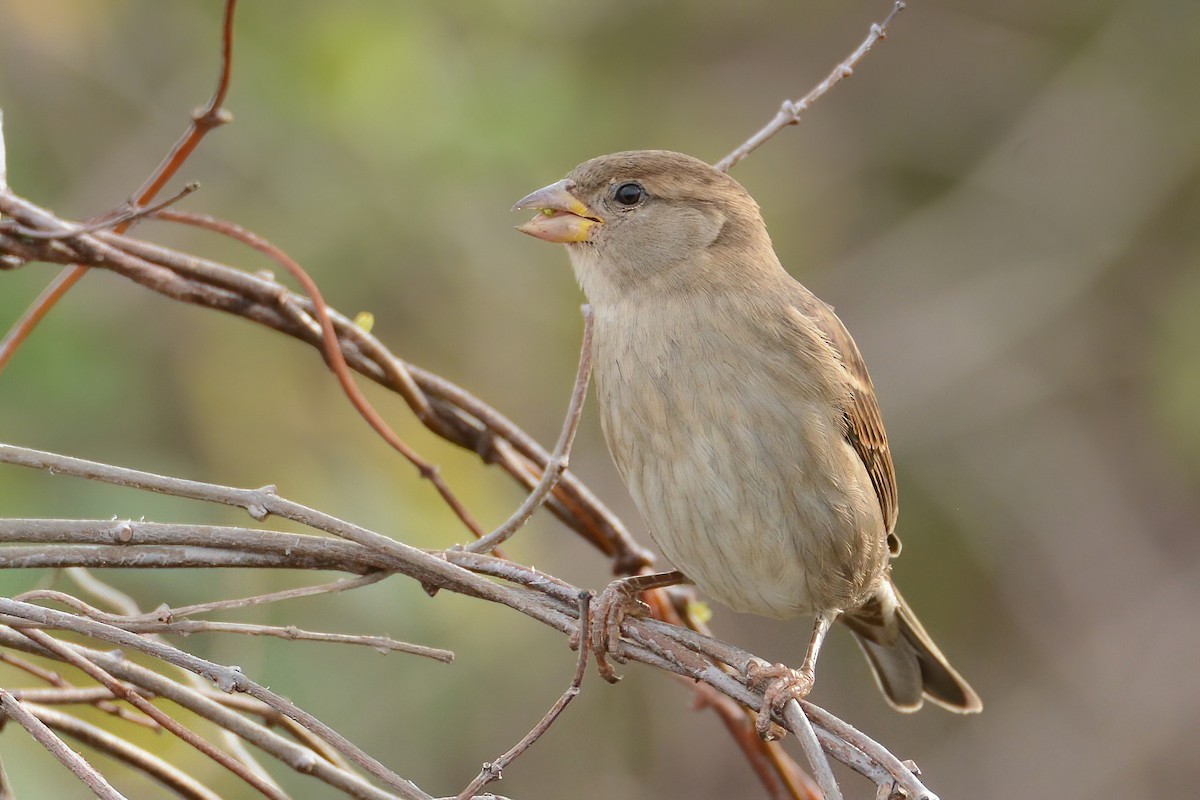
748 487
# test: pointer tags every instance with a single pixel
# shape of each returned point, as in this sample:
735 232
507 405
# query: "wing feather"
864 422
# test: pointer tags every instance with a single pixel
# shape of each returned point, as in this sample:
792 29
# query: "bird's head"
647 219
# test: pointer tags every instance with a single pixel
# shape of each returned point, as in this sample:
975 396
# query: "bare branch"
121 749
18 713
298 758
73 657
117 219
668 647
105 593
791 110
494 770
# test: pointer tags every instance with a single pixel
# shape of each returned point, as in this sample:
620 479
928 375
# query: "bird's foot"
780 685
615 603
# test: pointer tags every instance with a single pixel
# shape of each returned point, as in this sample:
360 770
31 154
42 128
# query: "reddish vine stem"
204 120
331 349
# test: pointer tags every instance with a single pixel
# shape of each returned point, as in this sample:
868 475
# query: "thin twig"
298 758
105 593
89 695
170 776
212 116
559 459
6 788
333 587
17 712
185 627
494 770
119 219
118 689
39 672
226 678
791 110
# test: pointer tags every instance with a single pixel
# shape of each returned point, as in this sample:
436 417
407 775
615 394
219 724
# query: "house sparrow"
740 414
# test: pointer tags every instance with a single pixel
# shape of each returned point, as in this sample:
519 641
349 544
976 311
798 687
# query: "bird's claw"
780 685
610 610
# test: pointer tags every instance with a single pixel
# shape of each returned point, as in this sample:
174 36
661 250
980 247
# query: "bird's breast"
737 462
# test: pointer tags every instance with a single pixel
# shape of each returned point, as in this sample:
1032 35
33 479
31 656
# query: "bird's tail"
907 664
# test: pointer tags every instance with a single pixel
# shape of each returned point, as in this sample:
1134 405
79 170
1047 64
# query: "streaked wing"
864 423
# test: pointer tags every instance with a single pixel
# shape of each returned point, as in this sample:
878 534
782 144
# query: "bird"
740 415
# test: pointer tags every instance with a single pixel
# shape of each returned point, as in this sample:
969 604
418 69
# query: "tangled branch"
541 597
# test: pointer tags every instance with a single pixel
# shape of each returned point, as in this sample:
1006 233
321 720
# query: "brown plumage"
738 409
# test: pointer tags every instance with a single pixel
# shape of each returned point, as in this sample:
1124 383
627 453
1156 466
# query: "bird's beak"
562 217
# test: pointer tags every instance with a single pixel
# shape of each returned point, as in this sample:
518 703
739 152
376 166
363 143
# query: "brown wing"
864 423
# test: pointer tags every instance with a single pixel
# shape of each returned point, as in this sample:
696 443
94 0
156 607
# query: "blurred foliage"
1002 202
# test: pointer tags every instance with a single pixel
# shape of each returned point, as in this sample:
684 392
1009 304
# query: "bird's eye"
629 194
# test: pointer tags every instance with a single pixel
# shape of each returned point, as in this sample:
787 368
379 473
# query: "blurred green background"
1002 203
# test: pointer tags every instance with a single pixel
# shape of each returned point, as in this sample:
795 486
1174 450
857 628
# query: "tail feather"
908 666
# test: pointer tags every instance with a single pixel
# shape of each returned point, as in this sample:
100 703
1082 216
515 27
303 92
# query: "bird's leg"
617 601
782 684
